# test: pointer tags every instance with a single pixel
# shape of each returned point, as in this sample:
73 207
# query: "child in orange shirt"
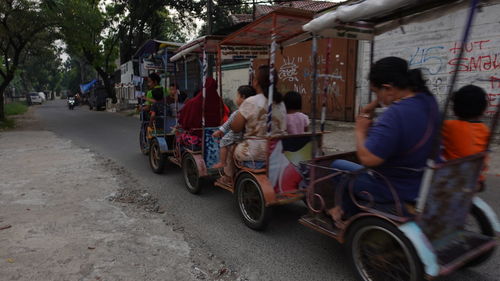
467 135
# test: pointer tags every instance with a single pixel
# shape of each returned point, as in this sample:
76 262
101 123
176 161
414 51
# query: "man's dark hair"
182 97
157 94
155 77
469 102
246 91
395 71
173 85
293 101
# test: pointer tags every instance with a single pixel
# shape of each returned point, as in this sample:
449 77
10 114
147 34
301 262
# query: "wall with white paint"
432 43
233 76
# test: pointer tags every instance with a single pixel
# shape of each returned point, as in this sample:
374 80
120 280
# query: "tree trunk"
3 87
107 83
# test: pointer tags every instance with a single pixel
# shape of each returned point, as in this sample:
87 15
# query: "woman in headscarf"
190 116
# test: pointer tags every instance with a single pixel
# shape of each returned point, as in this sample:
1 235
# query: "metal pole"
250 72
185 74
325 85
314 91
204 91
272 60
219 78
372 51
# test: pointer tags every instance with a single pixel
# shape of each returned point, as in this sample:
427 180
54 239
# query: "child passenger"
467 135
228 136
296 121
157 108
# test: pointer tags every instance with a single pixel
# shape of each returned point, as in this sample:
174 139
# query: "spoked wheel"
191 175
478 222
251 203
157 159
143 142
379 251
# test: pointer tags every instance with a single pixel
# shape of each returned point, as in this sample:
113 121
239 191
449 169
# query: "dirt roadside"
56 224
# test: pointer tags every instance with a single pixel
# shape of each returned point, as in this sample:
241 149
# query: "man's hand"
370 108
218 134
363 123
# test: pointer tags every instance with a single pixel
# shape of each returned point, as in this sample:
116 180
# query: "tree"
221 11
17 34
90 31
159 19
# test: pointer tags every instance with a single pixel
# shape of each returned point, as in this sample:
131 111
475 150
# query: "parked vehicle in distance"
97 98
42 96
34 98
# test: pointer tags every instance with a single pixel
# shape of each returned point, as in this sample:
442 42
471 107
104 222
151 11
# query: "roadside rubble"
68 214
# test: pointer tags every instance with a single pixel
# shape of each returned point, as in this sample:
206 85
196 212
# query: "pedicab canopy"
285 23
153 55
372 11
154 46
208 43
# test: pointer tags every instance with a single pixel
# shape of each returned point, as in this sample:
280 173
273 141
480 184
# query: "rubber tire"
265 213
367 223
157 169
486 229
143 142
188 162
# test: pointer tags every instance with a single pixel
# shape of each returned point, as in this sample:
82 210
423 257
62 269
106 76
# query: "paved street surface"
67 214
210 221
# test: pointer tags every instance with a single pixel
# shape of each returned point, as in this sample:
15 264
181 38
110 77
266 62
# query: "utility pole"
209 14
253 9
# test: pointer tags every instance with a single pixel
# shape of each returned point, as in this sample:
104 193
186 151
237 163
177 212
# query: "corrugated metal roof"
314 6
261 10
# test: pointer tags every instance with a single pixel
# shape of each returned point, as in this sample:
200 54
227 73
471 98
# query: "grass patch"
15 108
7 124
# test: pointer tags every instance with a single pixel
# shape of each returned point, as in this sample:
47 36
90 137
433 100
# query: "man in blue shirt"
397 145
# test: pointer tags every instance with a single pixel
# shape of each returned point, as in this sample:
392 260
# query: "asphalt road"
285 251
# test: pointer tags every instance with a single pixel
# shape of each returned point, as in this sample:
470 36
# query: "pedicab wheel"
143 142
157 159
251 203
191 175
379 251
479 223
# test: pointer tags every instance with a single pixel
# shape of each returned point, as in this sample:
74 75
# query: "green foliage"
23 25
221 11
157 19
15 108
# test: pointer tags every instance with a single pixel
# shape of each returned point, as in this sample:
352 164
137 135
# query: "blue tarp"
85 88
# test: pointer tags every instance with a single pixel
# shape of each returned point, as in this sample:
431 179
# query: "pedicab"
401 240
197 160
157 142
259 185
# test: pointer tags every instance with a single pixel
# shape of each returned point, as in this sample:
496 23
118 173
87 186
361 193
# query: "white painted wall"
127 71
433 46
231 80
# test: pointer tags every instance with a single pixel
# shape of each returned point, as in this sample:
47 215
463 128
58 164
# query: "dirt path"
66 214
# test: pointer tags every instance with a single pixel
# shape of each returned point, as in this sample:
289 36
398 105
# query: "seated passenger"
396 146
190 117
252 119
228 136
153 82
296 121
157 109
467 135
